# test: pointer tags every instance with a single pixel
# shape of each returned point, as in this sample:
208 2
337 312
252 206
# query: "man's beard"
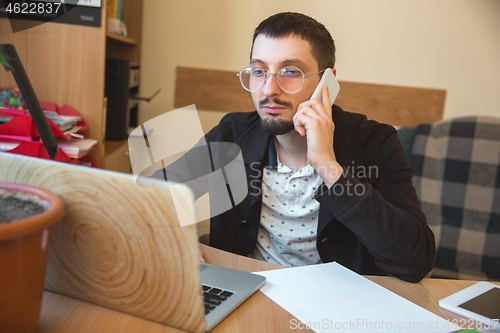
276 126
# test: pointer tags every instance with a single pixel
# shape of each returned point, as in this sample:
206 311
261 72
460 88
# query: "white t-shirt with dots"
289 217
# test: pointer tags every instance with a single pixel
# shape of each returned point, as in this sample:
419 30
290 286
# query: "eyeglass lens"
290 79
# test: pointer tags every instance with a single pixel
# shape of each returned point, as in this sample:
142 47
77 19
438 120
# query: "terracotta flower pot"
23 255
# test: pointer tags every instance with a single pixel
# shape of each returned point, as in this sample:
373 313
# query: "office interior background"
444 44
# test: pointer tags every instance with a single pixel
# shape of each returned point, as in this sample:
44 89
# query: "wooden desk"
258 314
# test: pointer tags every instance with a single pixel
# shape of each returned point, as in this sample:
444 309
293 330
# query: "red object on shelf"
55 129
22 124
36 149
15 138
88 159
65 111
49 106
18 125
22 129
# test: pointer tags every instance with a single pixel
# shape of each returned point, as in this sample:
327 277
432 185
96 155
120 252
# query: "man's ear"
334 71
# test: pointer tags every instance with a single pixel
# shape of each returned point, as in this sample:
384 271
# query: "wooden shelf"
116 156
111 146
120 38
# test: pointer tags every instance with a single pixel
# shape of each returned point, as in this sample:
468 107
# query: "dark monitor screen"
14 65
486 304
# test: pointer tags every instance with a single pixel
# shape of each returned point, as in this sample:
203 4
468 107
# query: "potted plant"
26 213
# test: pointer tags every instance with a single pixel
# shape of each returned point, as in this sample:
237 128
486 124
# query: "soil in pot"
15 206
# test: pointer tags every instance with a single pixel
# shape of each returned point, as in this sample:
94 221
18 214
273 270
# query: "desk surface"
258 314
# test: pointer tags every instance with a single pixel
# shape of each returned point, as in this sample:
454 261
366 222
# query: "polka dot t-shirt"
289 217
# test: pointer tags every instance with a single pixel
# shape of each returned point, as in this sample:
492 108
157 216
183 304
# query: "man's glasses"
290 79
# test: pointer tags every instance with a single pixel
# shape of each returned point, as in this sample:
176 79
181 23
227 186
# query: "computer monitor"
14 65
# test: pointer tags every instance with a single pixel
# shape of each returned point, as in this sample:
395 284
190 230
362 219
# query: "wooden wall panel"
214 90
219 90
395 105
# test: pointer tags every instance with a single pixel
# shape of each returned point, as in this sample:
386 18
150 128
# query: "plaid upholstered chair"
457 177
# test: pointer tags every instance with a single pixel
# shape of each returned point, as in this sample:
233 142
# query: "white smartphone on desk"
329 80
480 302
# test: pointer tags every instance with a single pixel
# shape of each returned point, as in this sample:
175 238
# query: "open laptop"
121 246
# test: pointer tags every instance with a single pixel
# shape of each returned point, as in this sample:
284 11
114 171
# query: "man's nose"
271 87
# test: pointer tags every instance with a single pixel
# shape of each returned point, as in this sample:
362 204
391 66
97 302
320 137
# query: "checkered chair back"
457 177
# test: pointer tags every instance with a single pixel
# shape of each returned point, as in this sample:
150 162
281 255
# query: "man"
324 185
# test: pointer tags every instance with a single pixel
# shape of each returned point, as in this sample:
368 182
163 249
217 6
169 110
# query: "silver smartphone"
329 80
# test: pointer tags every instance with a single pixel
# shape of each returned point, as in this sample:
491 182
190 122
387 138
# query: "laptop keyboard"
213 297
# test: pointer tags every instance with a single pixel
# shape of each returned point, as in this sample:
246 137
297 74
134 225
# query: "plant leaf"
3 61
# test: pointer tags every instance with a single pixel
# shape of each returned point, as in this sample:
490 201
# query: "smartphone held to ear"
329 80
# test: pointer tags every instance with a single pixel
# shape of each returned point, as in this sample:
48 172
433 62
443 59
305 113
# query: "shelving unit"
120 38
66 65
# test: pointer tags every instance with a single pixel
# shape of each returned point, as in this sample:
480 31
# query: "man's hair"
297 24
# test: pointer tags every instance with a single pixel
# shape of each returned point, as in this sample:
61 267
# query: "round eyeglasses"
290 79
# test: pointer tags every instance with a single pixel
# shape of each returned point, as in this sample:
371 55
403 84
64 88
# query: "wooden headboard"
218 90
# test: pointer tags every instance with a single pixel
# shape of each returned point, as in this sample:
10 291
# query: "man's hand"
202 256
314 119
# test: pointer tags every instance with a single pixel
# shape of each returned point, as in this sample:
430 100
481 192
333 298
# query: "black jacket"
369 220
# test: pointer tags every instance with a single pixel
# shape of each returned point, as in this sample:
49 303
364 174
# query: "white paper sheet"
330 297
